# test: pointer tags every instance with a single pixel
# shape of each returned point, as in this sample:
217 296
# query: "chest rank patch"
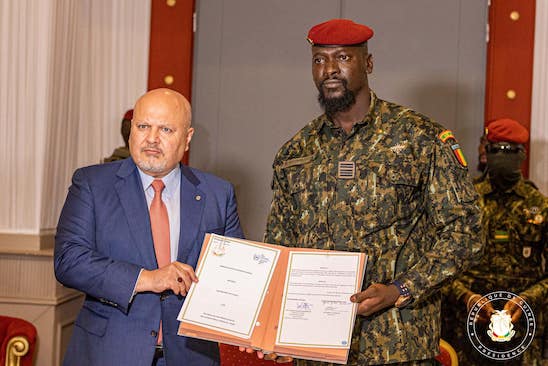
347 170
455 147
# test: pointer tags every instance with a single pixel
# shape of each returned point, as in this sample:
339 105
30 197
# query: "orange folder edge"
263 336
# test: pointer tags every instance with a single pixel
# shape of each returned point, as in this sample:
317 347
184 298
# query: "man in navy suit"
104 245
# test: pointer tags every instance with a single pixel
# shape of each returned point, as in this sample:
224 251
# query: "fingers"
181 277
176 276
284 359
270 356
251 350
482 317
516 314
275 357
184 273
247 350
471 299
375 298
359 297
513 308
365 300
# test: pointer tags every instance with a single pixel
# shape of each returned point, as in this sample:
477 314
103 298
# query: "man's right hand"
176 277
486 310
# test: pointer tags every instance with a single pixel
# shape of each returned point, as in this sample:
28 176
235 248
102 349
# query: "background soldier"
376 177
122 152
515 226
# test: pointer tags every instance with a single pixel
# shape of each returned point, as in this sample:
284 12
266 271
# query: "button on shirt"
171 196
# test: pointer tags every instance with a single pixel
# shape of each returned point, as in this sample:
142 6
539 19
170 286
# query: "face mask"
504 168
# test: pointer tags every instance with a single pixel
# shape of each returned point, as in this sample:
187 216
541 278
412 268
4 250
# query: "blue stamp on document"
304 306
260 258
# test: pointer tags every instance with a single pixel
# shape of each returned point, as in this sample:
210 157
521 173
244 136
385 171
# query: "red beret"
507 130
129 114
339 32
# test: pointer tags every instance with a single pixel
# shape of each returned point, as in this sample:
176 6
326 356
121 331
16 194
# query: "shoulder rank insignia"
457 151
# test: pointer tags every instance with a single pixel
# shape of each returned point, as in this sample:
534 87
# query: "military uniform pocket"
306 189
382 190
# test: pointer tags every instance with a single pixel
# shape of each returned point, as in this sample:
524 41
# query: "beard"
332 106
151 166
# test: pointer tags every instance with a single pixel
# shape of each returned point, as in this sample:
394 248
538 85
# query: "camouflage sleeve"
451 205
458 288
538 293
279 225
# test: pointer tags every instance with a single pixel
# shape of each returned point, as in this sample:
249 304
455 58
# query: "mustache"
151 146
342 80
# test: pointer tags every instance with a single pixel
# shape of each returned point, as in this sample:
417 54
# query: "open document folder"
292 301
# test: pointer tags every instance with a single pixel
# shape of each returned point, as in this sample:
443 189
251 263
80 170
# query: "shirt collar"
324 120
171 181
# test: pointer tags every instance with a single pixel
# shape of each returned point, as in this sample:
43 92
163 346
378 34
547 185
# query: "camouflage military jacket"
119 153
516 230
411 207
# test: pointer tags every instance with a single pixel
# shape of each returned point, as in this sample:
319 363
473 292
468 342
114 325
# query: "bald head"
160 131
164 99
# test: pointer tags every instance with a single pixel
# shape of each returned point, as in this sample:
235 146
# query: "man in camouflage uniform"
374 177
515 223
122 152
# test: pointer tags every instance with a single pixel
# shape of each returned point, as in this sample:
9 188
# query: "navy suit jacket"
103 241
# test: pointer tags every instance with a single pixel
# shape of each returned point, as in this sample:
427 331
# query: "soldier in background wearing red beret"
515 217
122 152
372 176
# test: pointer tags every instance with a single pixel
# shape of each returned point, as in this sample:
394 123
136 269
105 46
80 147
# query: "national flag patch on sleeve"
455 147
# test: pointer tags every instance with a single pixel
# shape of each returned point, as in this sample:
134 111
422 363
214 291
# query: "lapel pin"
198 197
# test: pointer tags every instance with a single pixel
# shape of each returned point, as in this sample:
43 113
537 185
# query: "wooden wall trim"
510 52
32 244
171 46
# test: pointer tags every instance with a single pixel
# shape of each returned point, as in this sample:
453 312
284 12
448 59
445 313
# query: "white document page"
233 278
316 309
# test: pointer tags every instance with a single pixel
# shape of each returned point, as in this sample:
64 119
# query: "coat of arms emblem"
501 328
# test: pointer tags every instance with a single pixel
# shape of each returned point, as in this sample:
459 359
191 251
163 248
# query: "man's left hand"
375 298
268 356
512 307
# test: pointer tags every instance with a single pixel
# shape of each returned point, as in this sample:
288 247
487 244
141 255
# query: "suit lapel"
192 209
132 198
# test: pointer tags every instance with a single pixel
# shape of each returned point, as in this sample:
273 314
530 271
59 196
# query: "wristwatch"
405 297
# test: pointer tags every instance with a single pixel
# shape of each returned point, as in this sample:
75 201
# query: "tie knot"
158 185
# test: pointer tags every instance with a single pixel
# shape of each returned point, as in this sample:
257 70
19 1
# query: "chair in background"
448 355
18 339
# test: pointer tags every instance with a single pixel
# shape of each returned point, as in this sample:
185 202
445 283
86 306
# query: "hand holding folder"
290 301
